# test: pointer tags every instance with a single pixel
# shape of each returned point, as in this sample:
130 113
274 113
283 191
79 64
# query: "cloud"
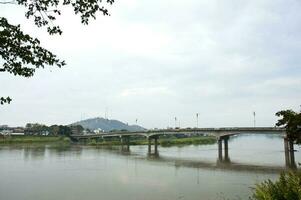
136 92
153 61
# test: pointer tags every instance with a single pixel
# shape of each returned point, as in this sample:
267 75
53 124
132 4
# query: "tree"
21 53
76 129
292 123
64 130
35 129
54 130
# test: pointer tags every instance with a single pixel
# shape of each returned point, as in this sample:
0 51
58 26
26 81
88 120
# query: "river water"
76 172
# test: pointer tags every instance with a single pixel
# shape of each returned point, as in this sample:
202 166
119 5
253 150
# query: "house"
98 131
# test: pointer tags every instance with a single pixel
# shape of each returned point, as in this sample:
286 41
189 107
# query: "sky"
157 60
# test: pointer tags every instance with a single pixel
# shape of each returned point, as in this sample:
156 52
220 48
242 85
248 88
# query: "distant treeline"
54 130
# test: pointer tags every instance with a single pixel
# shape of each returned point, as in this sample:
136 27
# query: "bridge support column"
292 154
220 149
289 153
125 143
286 152
156 145
149 145
128 143
223 158
155 153
121 140
226 149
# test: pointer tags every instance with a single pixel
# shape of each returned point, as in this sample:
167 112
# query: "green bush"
287 187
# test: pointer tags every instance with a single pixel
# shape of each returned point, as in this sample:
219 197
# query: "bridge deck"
217 132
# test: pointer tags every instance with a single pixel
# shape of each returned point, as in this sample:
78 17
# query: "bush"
287 187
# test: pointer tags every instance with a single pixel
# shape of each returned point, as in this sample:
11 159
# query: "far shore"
28 139
165 142
172 141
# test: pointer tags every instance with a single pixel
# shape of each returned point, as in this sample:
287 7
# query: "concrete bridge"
221 134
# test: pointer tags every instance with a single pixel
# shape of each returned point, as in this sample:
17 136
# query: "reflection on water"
189 172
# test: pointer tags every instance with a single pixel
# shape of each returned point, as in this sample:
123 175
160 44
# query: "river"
77 172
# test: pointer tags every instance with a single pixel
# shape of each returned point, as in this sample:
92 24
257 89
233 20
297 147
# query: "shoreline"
32 139
165 142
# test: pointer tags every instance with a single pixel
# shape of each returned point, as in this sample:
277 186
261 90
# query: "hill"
107 125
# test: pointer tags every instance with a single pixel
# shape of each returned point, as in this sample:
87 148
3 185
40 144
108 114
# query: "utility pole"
197 120
254 114
136 121
175 122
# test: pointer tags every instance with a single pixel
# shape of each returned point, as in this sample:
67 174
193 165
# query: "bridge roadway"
217 132
222 135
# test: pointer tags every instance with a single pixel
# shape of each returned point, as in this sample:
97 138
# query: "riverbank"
163 141
20 139
172 141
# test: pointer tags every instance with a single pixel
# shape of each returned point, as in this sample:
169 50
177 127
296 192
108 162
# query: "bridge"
221 134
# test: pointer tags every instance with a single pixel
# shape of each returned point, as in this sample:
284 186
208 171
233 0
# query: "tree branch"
8 2
4 100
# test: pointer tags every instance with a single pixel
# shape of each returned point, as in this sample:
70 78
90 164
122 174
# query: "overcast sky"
157 60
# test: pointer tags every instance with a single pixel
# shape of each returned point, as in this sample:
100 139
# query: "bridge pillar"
121 140
149 145
128 143
286 152
223 158
156 145
155 153
220 149
125 142
289 153
292 154
226 149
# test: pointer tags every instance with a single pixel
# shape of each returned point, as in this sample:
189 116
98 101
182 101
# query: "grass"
15 139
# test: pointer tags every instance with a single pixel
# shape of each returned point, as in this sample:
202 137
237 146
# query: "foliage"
54 129
292 122
19 49
40 129
44 13
21 53
287 187
77 129
35 129
5 100
64 130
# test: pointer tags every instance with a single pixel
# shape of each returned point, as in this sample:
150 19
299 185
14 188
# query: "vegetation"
171 141
287 187
292 123
22 54
14 139
54 130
